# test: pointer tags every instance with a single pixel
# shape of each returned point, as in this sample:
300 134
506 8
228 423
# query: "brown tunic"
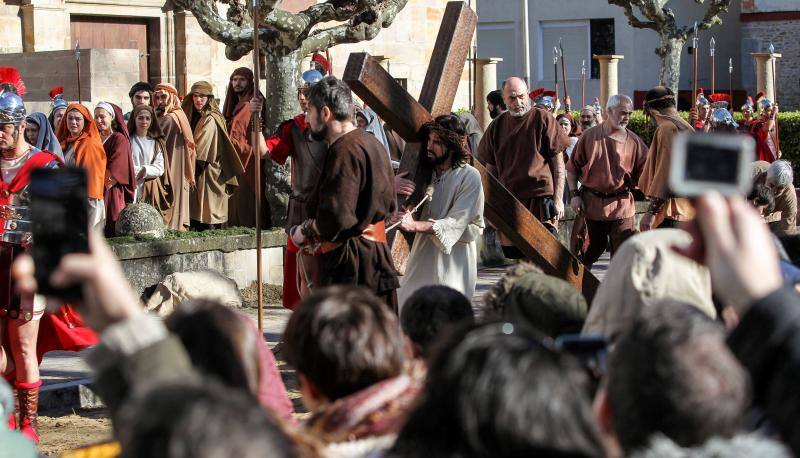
177 217
609 167
216 182
517 150
356 189
785 213
654 179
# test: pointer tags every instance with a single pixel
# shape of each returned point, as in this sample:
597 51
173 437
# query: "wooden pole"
712 45
255 122
78 65
555 71
694 51
563 73
583 84
775 96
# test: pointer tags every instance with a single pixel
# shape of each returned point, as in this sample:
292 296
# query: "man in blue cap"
308 157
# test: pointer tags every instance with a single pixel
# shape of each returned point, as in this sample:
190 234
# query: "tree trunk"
670 53
282 75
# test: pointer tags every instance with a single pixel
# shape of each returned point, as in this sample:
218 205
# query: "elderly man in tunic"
608 160
445 250
180 151
665 210
524 148
779 177
346 226
217 164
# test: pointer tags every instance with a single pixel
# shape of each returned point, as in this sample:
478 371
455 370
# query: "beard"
518 114
318 135
433 161
587 125
495 112
160 110
239 89
6 146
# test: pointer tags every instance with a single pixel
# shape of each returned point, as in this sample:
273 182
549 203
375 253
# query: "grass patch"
180 235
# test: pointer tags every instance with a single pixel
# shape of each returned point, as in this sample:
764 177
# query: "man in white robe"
445 251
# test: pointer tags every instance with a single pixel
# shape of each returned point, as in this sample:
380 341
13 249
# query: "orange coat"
88 148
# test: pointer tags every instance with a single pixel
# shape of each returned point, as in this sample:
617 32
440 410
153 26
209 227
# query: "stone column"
764 75
485 82
45 26
609 81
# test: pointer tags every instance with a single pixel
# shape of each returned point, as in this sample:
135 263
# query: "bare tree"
672 36
286 38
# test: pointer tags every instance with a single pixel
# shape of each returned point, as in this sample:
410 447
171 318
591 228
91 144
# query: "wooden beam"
447 61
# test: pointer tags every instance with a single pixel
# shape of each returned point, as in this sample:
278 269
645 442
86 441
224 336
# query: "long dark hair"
453 134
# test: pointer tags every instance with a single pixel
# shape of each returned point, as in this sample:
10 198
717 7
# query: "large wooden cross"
404 115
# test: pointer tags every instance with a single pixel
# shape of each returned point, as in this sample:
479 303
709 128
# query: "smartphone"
59 212
591 351
703 162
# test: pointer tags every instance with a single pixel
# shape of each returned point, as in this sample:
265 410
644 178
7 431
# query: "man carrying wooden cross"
355 196
523 148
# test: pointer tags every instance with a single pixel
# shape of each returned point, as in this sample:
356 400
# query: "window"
602 39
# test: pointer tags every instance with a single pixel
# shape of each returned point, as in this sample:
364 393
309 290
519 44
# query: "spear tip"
771 48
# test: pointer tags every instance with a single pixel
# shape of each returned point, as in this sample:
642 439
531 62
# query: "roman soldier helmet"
748 106
721 117
701 99
57 97
311 77
12 108
544 99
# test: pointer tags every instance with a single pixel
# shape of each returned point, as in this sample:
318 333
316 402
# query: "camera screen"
711 163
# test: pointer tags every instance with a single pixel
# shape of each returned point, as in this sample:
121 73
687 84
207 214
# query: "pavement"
67 381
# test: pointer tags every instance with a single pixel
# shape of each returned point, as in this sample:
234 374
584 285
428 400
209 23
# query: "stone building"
124 41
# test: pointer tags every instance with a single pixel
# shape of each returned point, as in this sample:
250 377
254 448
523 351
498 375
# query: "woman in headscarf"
217 162
369 121
83 147
148 149
40 134
120 181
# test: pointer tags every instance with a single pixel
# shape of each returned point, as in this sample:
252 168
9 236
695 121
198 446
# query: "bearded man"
495 103
141 93
524 149
346 215
237 113
665 210
181 153
588 118
445 249
608 160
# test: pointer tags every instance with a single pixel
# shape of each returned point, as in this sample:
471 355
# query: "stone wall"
111 72
145 264
756 37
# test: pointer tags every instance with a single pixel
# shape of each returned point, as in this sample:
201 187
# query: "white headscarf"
106 106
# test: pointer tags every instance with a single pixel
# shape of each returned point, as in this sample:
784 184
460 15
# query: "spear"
711 46
775 97
730 80
78 65
563 71
255 122
583 83
555 70
694 50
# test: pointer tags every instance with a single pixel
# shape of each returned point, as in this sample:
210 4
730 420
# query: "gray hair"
616 100
780 173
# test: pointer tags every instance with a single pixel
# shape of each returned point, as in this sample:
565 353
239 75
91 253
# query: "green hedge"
789 124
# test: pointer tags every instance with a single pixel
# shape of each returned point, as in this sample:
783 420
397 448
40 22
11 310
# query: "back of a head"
672 373
780 174
660 98
333 93
548 304
495 299
428 313
496 391
218 341
344 339
740 446
197 420
644 271
496 98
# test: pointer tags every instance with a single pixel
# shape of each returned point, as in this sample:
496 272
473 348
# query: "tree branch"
355 31
632 19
